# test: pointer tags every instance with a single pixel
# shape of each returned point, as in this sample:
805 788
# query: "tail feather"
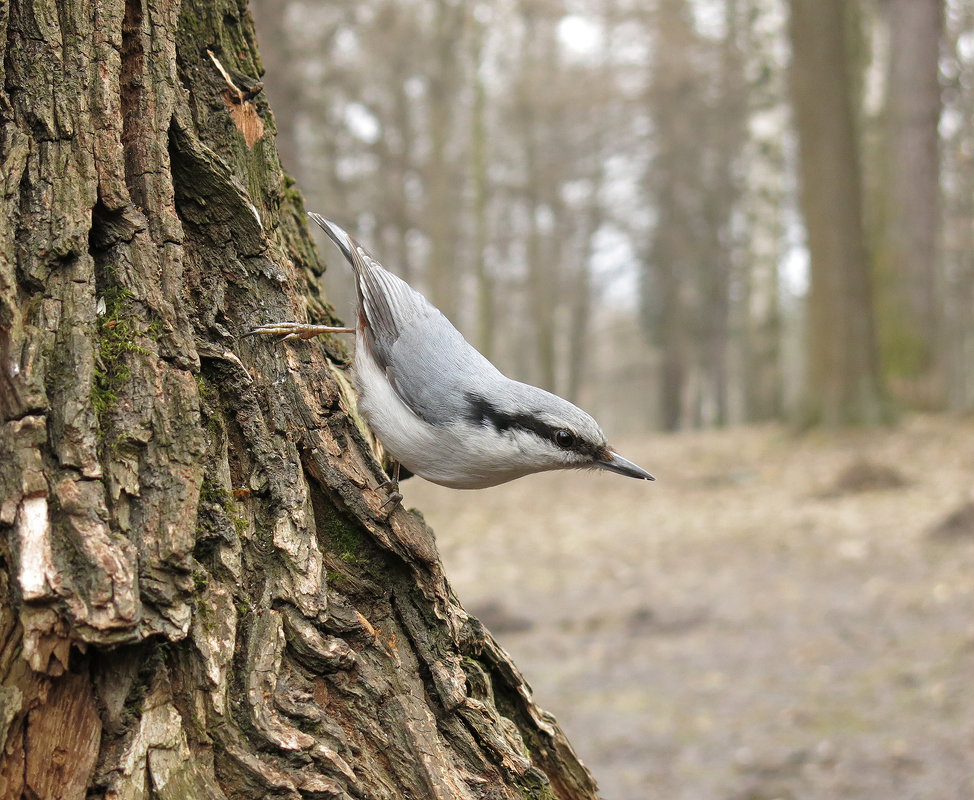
336 234
378 291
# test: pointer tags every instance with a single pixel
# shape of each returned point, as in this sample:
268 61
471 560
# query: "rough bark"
202 597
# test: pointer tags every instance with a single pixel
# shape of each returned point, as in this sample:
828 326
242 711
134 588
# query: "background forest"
693 215
605 196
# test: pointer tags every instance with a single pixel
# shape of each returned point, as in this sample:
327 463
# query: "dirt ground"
771 619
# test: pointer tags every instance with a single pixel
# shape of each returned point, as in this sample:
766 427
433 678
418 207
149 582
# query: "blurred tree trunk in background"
758 329
910 299
957 251
582 240
536 105
667 288
443 188
722 270
386 88
202 596
480 176
694 182
842 376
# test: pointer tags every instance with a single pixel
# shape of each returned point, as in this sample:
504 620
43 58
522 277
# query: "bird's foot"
392 484
295 330
393 501
395 496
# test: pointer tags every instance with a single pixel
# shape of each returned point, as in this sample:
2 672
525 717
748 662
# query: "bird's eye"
564 438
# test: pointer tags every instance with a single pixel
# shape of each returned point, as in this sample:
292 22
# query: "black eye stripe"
483 412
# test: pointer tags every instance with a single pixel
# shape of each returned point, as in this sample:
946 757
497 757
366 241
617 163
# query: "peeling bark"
203 597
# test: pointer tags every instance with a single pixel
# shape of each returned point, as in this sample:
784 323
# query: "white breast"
460 458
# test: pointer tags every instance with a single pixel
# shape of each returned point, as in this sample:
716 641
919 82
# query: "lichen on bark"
202 594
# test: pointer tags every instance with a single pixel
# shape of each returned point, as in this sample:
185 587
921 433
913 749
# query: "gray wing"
428 362
385 300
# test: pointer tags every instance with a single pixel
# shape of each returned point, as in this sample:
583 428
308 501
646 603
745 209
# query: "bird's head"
540 431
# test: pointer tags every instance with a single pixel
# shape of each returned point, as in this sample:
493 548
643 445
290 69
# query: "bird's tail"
373 284
336 234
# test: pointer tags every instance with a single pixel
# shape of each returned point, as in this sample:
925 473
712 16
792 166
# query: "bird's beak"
613 462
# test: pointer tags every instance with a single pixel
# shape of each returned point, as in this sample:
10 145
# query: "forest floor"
775 617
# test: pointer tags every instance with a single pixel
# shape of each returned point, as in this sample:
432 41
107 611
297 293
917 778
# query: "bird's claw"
395 496
295 330
392 501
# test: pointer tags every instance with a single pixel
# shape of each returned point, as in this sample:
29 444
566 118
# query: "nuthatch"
438 406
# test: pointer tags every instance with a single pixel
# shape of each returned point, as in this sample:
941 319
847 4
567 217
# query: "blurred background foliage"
677 213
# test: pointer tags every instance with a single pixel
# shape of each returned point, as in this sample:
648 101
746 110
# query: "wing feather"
428 362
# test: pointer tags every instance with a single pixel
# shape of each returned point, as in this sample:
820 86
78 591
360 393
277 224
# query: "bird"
439 407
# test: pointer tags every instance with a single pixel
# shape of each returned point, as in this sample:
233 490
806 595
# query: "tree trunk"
909 326
842 382
443 204
538 52
480 177
669 290
202 595
957 248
